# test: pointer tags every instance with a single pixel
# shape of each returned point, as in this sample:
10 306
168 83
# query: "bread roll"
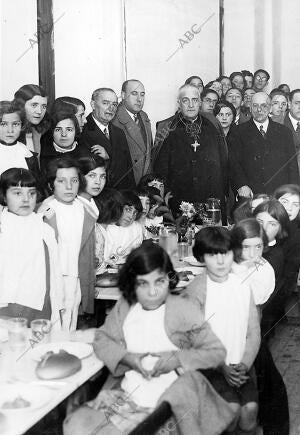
57 365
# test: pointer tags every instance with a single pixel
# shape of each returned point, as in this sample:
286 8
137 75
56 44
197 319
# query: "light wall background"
103 42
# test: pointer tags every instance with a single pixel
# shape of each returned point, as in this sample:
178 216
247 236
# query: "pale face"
80 115
252 249
249 81
248 97
128 216
217 86
260 81
225 117
66 185
35 109
234 97
64 133
294 106
145 204
198 83
269 224
209 102
238 81
134 96
105 107
21 200
95 181
152 289
260 107
10 128
279 105
218 265
226 85
189 102
291 203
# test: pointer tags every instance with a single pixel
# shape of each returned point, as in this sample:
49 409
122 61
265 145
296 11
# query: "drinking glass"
40 330
17 332
168 239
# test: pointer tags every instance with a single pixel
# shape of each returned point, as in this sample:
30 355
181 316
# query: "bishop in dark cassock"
193 158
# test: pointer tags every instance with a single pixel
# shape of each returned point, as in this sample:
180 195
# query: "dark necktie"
262 131
298 129
136 119
105 131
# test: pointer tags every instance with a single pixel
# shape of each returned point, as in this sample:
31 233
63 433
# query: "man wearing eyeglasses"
104 139
193 158
136 125
260 80
262 154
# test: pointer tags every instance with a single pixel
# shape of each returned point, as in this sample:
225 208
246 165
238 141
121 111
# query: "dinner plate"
36 396
195 270
81 350
192 261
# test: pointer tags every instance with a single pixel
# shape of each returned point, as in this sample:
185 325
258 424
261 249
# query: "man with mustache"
103 138
136 125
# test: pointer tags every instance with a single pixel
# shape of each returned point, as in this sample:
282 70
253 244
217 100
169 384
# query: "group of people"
79 195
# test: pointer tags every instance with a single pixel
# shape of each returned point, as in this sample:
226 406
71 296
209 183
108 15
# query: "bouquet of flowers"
187 209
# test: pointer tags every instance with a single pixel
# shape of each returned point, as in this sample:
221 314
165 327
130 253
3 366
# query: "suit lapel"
132 129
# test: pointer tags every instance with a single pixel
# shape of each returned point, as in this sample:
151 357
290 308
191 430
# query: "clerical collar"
8 144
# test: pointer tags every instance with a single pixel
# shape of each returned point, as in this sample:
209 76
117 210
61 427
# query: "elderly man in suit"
136 125
103 138
292 120
261 152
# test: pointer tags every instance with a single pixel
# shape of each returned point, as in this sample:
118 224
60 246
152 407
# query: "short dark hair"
235 89
220 106
61 163
87 164
292 93
234 74
280 87
15 177
66 102
242 210
7 107
211 240
131 198
109 204
207 91
246 73
277 91
141 261
56 117
293 189
263 71
246 229
189 79
278 212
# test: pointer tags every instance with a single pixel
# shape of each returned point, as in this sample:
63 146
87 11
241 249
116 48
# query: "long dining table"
17 372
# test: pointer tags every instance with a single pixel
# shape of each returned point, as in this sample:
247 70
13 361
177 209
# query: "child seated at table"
75 231
110 208
231 312
148 220
127 234
30 276
147 337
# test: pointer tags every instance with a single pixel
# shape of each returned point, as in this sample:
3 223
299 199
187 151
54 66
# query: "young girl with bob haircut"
93 170
127 233
75 231
33 100
249 241
30 276
147 337
231 312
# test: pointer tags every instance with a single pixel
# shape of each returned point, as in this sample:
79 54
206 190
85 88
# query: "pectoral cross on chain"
195 145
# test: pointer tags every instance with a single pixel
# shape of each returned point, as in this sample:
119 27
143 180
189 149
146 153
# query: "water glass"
40 330
168 240
17 332
183 250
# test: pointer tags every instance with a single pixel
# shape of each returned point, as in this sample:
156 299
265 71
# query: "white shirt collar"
64 150
100 125
293 121
264 124
130 114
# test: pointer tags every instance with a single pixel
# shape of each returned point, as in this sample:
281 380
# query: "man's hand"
134 362
167 362
100 151
245 191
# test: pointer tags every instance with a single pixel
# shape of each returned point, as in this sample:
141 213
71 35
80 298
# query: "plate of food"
81 350
185 277
23 397
192 261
